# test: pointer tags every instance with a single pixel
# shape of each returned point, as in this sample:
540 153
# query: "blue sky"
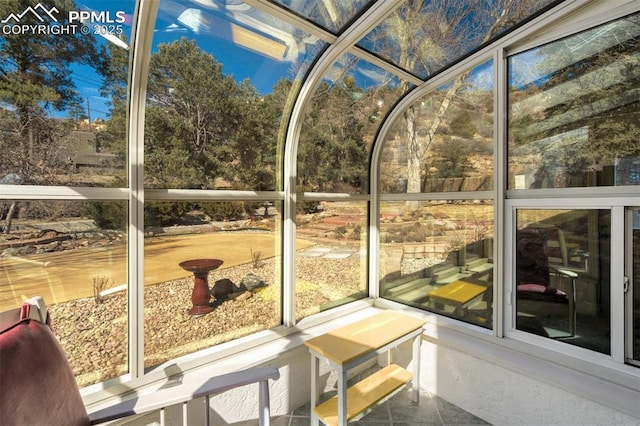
262 71
86 79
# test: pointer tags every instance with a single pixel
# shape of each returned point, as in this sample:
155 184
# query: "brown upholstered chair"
37 386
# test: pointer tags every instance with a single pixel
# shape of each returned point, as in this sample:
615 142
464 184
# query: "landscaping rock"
223 288
251 281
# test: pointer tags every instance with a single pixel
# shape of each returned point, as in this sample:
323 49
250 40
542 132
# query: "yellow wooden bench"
349 346
457 294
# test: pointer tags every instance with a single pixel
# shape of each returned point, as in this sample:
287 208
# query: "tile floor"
430 410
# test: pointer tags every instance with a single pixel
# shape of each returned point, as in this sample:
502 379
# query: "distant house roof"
79 147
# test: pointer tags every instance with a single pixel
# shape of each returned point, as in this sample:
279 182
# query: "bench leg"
315 368
342 397
415 380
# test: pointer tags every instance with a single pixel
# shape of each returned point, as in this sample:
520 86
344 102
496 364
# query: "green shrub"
107 215
166 213
224 210
309 206
462 125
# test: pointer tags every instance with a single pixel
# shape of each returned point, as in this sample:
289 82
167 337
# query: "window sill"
259 349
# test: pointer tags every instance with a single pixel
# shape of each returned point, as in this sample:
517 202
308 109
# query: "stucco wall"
504 397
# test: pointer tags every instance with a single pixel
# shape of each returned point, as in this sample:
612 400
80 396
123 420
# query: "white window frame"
616 206
615 199
629 294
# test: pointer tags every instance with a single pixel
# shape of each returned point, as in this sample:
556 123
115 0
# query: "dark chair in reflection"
533 281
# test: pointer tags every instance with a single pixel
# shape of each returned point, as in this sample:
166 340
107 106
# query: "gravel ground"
93 333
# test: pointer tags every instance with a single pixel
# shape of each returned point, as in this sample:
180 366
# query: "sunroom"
474 164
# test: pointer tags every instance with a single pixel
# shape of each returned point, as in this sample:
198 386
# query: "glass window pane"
423 37
221 80
635 285
74 255
444 142
331 265
63 93
439 257
562 261
192 302
329 14
340 124
574 110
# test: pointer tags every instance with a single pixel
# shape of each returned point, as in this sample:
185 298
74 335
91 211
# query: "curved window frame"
592 363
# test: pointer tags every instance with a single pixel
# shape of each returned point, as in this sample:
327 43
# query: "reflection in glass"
221 80
74 255
562 263
331 266
423 37
635 285
439 257
329 14
574 110
244 291
340 124
62 95
444 142
234 25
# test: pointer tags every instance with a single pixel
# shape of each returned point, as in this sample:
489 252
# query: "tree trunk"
9 219
414 159
416 149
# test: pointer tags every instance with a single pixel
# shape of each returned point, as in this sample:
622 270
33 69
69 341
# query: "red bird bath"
200 296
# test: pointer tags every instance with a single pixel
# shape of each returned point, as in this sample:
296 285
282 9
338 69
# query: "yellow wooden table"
458 294
349 346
